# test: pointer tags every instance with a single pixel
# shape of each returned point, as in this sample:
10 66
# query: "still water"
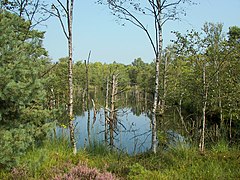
132 134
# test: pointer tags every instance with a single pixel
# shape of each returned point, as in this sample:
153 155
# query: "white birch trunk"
158 27
70 77
205 94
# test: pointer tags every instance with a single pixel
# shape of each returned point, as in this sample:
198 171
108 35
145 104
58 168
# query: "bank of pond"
177 157
54 160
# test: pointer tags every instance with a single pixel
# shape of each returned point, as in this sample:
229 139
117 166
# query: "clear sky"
96 29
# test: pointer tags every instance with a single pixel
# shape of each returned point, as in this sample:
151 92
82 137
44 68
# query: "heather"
54 160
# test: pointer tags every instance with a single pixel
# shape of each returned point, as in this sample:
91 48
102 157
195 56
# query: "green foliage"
54 159
210 49
137 171
57 82
220 146
186 164
16 141
234 34
13 144
97 148
23 115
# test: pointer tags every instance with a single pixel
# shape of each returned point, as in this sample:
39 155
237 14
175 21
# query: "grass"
55 158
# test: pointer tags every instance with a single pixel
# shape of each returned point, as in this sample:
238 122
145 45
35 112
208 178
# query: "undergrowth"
54 160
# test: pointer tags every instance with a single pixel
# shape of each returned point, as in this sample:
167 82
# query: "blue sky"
96 29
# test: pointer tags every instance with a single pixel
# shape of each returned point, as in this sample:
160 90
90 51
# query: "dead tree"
112 109
87 96
106 111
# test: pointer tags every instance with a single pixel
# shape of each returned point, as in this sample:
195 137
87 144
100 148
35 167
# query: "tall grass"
55 160
39 162
188 163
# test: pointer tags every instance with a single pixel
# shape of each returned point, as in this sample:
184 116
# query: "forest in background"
199 81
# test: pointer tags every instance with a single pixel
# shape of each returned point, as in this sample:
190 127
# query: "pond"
132 134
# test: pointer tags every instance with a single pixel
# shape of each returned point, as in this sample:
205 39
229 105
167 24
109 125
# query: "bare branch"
50 12
171 4
58 15
28 10
40 20
140 134
63 7
155 14
135 21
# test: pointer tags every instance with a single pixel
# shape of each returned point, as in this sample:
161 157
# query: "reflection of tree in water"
131 132
120 122
114 112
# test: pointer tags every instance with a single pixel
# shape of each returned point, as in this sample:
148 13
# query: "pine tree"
23 113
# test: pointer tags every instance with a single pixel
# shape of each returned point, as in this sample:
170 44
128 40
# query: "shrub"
83 172
16 141
13 144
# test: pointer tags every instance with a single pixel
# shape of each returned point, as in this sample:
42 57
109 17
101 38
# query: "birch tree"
161 11
67 30
201 50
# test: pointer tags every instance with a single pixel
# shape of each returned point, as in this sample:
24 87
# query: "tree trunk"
156 93
205 94
145 101
163 104
70 79
111 123
94 112
179 109
89 129
154 121
155 100
221 110
106 112
52 103
230 127
83 99
87 83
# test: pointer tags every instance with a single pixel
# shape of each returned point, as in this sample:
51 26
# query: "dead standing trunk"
87 97
94 112
112 110
106 112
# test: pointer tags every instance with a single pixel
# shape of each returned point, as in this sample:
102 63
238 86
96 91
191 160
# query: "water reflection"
132 133
174 140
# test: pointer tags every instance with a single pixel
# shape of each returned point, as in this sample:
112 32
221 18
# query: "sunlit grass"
55 158
188 163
